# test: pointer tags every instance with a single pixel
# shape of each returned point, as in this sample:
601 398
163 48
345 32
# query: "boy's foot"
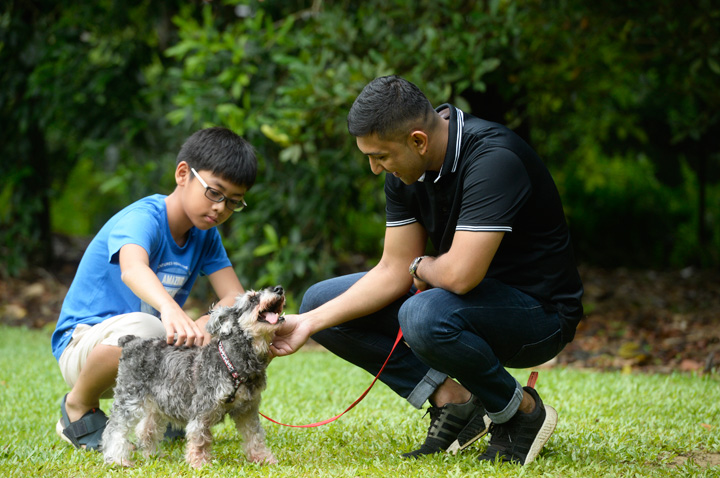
172 433
83 433
520 439
448 423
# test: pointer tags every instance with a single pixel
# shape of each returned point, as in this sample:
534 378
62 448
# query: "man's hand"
421 285
290 336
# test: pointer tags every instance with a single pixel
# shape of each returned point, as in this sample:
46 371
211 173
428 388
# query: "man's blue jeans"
471 338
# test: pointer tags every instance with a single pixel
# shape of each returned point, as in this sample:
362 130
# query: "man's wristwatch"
414 266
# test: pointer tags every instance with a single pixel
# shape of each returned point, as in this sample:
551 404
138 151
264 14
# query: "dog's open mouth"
273 313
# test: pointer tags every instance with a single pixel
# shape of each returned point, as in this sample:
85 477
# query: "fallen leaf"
689 365
13 311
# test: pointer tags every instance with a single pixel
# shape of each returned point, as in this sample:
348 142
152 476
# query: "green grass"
611 425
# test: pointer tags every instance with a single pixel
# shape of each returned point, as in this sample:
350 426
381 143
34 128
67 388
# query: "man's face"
399 158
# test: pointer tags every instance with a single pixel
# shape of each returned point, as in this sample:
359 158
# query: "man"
500 288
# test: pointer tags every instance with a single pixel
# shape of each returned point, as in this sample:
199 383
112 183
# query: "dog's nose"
278 290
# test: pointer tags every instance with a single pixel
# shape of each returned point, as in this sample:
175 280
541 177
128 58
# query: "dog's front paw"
154 454
198 460
197 464
263 457
125 462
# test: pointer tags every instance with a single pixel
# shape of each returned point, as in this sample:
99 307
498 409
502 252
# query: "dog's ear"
220 321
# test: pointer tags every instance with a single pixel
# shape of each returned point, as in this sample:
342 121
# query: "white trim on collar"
458 141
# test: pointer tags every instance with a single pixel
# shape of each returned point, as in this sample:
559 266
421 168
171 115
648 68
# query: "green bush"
620 101
618 211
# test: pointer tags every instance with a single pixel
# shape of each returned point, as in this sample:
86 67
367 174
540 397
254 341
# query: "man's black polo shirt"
491 180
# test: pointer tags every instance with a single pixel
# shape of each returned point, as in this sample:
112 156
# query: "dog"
195 387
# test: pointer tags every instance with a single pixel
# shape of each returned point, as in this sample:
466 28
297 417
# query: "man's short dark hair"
388 106
221 152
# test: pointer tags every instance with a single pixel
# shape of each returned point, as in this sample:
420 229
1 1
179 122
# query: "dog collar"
237 380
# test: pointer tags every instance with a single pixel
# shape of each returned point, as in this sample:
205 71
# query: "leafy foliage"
619 100
72 80
622 102
292 78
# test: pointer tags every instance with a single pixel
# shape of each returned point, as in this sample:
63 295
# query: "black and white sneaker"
476 428
448 423
521 438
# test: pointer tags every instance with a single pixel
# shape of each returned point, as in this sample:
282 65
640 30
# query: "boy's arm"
227 287
137 275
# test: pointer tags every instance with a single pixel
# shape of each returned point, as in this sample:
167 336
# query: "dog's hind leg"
149 431
199 441
247 422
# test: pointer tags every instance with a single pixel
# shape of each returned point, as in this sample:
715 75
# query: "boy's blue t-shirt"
97 291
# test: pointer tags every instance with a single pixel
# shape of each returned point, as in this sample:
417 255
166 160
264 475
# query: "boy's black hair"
388 106
223 153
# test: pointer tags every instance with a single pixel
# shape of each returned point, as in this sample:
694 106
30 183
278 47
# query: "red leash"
325 422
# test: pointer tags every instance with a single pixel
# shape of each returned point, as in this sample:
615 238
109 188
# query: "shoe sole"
547 429
59 430
456 447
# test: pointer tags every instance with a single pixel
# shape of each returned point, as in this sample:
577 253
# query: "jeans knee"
311 299
417 328
325 291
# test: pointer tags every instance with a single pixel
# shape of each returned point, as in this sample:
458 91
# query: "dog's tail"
125 339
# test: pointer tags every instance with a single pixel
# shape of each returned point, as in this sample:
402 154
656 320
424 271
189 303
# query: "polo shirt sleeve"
495 186
396 210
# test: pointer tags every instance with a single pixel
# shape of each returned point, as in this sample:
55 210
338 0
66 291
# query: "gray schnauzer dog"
195 387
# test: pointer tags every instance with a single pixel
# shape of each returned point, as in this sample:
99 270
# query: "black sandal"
86 431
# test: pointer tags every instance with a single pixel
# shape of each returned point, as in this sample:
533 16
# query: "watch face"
414 266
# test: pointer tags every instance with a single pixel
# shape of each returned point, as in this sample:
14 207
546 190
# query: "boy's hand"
180 328
137 275
202 324
290 336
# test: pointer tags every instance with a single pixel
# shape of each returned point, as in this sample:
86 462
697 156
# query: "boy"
138 271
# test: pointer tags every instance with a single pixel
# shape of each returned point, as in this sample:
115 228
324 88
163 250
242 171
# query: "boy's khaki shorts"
87 337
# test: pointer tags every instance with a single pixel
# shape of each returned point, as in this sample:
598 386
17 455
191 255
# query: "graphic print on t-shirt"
173 276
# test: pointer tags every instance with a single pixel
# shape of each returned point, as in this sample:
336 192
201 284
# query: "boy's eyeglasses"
216 196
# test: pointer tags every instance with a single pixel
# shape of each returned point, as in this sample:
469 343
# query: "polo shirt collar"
455 131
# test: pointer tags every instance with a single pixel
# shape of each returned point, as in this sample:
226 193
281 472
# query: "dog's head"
257 313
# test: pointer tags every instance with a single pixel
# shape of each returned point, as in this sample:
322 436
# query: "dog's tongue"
271 317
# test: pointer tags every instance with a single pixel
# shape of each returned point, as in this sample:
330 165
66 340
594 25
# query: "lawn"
611 425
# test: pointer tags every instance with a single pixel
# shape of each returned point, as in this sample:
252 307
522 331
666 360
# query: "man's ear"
418 140
182 173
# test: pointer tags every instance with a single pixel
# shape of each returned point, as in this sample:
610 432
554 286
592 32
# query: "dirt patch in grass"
655 321
701 459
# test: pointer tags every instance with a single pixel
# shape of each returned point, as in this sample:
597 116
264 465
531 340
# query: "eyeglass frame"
222 197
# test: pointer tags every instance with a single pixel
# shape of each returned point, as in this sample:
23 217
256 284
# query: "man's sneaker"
476 428
521 438
447 423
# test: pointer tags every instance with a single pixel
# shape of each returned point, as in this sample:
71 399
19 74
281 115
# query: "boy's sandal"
85 432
